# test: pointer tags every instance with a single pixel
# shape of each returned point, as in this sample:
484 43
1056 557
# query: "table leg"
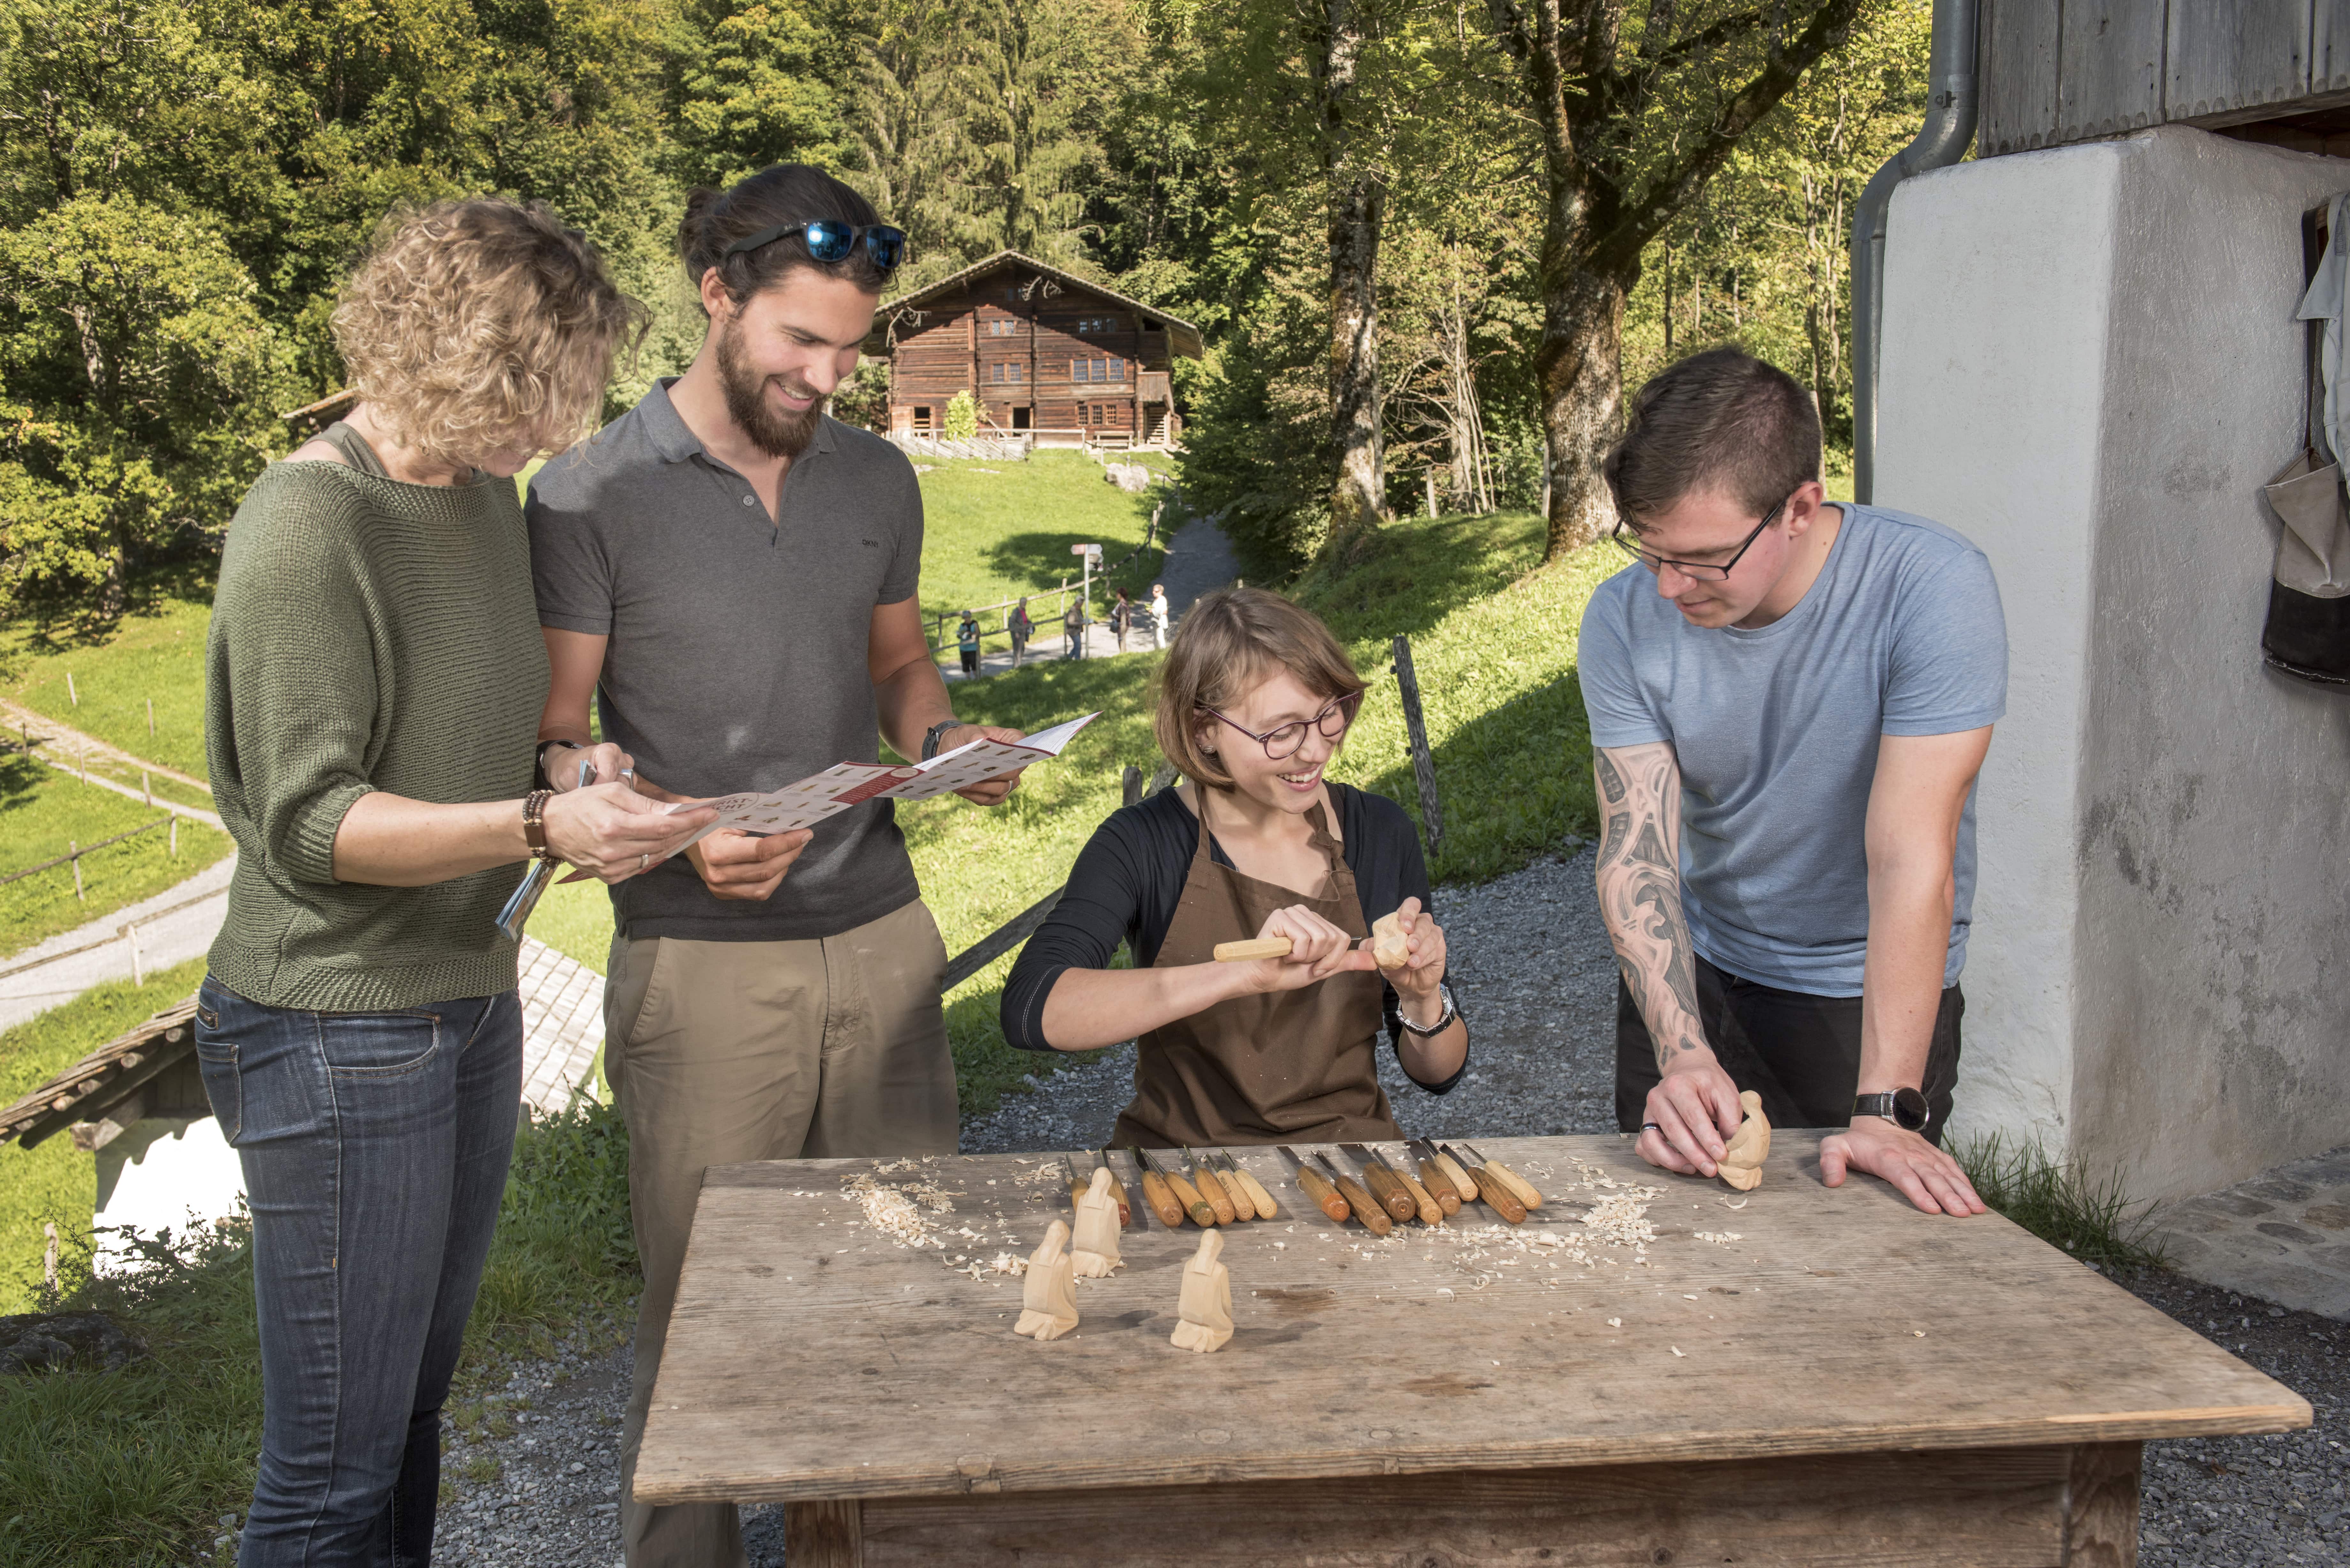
2101 1506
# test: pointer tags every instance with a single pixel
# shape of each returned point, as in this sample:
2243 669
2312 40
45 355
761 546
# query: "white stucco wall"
2090 366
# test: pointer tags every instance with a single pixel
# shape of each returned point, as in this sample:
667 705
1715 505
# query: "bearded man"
733 575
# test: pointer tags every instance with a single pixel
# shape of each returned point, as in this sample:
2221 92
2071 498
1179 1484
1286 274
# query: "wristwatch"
1905 1108
547 779
936 733
1443 1019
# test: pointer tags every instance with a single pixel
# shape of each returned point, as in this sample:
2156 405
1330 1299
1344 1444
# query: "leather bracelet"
533 822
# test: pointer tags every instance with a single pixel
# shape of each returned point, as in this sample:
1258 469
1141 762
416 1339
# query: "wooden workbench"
1817 1376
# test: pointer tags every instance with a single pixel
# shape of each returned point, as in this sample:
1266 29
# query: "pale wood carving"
1048 1295
1206 1303
1389 946
1095 1251
1740 1164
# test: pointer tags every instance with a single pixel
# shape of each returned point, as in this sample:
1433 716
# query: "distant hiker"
1073 621
1161 614
1018 624
967 642
1121 616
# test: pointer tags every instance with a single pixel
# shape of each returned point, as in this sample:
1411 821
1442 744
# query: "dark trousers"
375 1147
1801 1053
970 661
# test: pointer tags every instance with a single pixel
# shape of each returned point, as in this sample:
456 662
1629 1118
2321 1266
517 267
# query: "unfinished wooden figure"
1048 1295
1206 1303
1740 1164
1095 1251
1389 946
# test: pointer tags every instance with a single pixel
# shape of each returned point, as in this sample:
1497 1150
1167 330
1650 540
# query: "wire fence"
73 856
941 639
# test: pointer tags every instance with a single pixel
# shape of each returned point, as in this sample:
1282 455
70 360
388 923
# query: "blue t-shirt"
1776 729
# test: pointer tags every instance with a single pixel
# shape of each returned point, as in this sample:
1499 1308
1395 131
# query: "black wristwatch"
546 779
936 733
1905 1108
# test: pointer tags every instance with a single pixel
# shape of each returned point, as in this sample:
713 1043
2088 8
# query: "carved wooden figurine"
1740 1164
1390 945
1094 1251
1048 1295
1206 1305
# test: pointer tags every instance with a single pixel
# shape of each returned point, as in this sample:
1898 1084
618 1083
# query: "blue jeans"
375 1147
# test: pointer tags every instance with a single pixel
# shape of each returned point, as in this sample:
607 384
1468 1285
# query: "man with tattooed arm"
1789 699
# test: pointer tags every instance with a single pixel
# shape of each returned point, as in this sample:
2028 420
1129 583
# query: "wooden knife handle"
1257 1195
1520 1187
1326 1196
1161 1199
1504 1201
1387 1190
1077 1189
1254 948
1202 1212
1422 1200
1461 1181
1439 1187
1373 1218
1118 1193
1213 1191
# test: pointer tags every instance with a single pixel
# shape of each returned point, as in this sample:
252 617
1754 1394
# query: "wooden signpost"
1793 1376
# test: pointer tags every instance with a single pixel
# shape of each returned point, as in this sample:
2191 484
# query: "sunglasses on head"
830 240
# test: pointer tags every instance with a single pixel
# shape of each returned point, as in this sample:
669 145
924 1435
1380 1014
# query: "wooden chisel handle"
1254 948
1430 1213
1373 1218
1520 1187
1202 1212
1118 1190
1213 1191
1439 1187
1461 1181
1387 1189
1159 1196
1326 1196
1077 1189
1257 1195
1503 1201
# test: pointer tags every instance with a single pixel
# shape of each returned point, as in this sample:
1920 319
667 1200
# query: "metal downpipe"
1951 98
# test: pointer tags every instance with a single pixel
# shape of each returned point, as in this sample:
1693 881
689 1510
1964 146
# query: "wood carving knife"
1498 1197
1438 1185
1249 1184
1424 1202
1373 1218
1309 1181
1382 1183
1202 1212
1450 1166
1254 948
1157 1194
1518 1185
1227 1211
1118 1188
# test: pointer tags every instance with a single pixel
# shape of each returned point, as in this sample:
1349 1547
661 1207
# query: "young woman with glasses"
1254 705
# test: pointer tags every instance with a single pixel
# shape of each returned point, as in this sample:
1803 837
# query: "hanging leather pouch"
2307 633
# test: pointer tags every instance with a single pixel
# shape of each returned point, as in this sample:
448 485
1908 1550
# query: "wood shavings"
1718 1238
1676 1350
896 1211
1614 1323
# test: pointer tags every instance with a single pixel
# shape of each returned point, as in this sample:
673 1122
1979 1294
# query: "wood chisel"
1202 1212
1382 1183
1452 1171
1239 1176
1373 1218
1518 1185
1157 1194
1203 1179
1118 1188
1078 1186
1438 1185
1423 1201
1498 1197
1309 1181
1252 948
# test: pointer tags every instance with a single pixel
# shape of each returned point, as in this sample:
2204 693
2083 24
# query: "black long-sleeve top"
1129 878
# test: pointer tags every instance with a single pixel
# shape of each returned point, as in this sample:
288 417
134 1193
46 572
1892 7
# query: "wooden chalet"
1047 354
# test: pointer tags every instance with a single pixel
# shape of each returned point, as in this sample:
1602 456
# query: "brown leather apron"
1287 1065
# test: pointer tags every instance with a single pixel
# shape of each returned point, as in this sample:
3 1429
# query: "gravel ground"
537 1481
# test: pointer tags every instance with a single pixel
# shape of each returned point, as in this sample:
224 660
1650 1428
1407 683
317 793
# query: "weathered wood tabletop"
813 1355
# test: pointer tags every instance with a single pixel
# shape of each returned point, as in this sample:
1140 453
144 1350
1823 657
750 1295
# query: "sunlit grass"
44 813
155 653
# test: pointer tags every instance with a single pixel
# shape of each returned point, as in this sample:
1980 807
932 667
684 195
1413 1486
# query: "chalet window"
921 417
1000 328
1007 371
1094 324
1097 370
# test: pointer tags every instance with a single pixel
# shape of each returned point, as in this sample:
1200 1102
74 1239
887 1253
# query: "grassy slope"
43 812
995 530
157 651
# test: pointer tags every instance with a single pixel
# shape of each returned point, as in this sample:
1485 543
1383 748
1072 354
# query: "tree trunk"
1582 371
1357 197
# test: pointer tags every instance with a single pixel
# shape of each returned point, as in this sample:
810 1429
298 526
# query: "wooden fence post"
70 692
175 833
1131 785
138 962
1423 765
73 852
150 718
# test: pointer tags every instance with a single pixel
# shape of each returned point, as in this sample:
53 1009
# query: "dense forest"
1423 238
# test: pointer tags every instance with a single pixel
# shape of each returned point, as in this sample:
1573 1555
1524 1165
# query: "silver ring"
643 859
1652 1127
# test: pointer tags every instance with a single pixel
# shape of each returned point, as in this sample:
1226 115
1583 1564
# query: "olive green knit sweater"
367 634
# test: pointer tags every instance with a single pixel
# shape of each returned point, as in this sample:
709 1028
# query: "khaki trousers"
723 1051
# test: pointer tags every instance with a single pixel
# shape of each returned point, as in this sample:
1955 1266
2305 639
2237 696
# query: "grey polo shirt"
737 658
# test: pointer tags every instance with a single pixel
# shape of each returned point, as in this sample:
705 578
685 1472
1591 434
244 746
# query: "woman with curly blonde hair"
374 679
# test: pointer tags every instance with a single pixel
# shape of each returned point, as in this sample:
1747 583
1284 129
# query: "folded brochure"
845 784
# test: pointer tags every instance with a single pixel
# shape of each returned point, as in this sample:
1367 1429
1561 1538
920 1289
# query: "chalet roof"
104 1078
1182 337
